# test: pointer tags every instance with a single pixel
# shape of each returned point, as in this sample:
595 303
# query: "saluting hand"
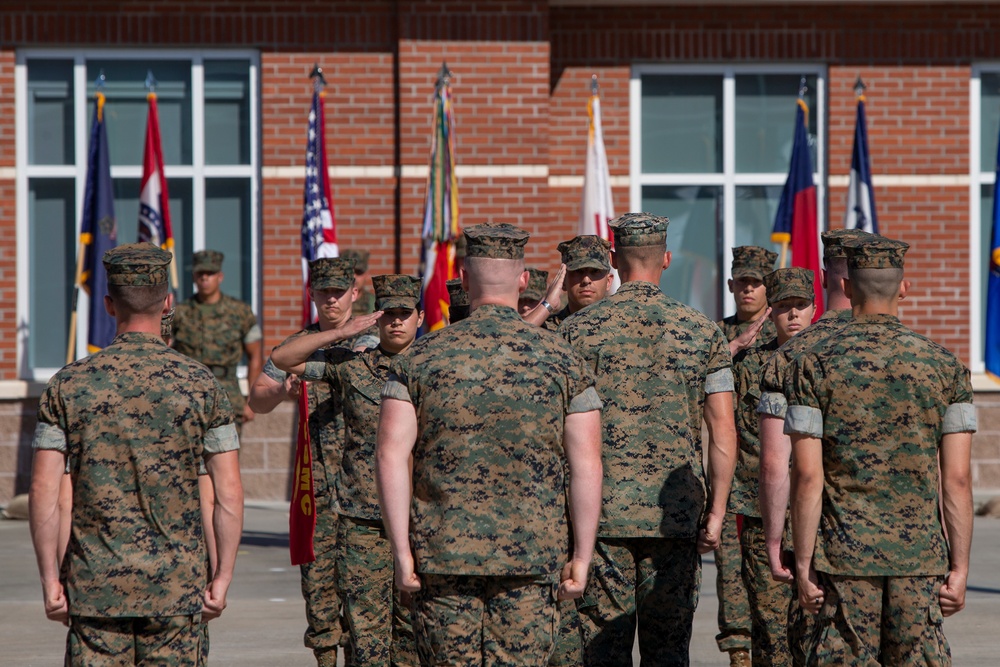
746 339
358 324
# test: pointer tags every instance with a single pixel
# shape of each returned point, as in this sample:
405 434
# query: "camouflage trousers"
322 595
172 641
378 624
646 581
734 609
768 599
879 621
569 641
485 621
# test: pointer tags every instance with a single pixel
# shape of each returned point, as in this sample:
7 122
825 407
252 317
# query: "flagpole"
71 344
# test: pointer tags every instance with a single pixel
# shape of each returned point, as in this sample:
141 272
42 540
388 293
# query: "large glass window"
710 151
207 112
985 134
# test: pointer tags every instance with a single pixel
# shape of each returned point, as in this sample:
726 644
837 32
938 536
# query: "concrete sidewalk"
264 622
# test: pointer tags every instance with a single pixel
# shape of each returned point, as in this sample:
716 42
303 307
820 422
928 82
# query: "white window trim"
196 171
728 179
977 179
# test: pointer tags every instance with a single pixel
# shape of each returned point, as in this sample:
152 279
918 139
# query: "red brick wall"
8 223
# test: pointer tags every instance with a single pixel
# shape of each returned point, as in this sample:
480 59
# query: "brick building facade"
522 76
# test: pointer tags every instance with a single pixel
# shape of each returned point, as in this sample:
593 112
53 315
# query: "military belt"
222 372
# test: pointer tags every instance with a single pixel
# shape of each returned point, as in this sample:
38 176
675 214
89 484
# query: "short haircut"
878 285
138 299
643 257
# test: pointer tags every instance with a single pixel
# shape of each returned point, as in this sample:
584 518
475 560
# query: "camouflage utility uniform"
214 334
489 528
325 631
378 622
734 611
879 397
655 360
136 567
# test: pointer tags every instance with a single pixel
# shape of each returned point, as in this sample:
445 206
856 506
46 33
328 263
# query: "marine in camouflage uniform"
773 405
378 621
490 408
588 278
750 265
326 629
217 330
136 573
458 300
661 367
588 274
871 413
768 600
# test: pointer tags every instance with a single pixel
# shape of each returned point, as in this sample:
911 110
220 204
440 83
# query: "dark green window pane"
52 236
989 108
126 107
50 112
695 214
756 206
227 112
681 124
765 120
227 229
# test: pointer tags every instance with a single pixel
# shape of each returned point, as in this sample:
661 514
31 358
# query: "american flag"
319 235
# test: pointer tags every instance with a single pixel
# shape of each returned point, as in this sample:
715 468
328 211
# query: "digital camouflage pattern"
325 630
133 449
833 241
655 359
568 650
459 300
733 616
378 622
491 394
396 291
875 252
357 379
747 368
879 621
639 229
207 260
585 252
326 436
537 285
556 319
137 265
768 600
880 397
775 368
331 273
495 240
656 580
732 327
167 640
750 261
364 304
214 334
793 283
508 621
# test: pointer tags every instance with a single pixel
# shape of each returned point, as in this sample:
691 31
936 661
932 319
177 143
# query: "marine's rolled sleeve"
960 418
48 436
221 439
253 335
314 371
585 401
773 404
273 372
719 381
396 389
804 420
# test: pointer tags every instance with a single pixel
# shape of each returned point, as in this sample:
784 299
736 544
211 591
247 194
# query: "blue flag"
860 213
992 342
98 231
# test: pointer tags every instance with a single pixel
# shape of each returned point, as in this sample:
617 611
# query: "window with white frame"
710 150
207 104
984 130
